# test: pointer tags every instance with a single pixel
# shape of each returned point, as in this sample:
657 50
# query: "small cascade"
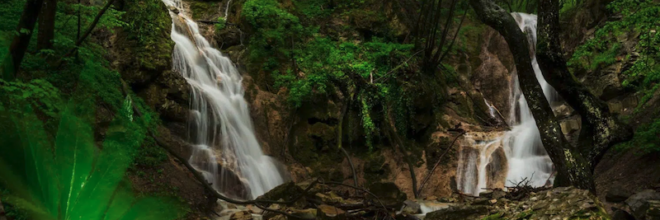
481 162
224 142
524 155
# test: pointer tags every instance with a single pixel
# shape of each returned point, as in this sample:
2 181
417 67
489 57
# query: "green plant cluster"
222 23
292 47
71 177
48 77
645 139
638 19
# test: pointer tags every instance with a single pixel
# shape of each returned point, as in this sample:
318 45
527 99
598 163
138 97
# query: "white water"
221 123
526 157
525 153
472 178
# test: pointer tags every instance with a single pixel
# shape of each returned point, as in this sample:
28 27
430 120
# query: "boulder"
649 211
617 194
458 212
388 193
637 202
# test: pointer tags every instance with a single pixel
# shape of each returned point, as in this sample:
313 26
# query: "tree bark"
568 160
25 27
46 31
600 129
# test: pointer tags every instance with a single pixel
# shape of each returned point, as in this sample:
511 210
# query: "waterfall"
224 139
524 152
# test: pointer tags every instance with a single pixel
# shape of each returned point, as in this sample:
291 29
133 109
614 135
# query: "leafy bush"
221 23
645 139
274 29
638 18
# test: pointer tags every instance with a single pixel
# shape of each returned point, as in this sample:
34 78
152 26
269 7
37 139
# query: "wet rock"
458 212
637 201
649 211
617 194
242 215
388 193
411 207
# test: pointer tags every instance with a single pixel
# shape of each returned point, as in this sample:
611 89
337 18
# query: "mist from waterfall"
223 137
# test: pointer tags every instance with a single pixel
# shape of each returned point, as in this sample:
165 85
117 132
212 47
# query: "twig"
428 176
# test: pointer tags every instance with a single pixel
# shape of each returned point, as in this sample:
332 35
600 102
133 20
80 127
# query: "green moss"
201 9
147 34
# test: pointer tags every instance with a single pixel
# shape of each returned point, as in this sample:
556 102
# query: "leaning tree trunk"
567 160
600 129
25 27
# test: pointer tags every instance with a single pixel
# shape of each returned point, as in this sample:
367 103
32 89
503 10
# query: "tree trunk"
567 160
46 25
25 27
600 129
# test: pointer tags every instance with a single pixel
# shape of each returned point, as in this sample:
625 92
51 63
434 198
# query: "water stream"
223 136
525 155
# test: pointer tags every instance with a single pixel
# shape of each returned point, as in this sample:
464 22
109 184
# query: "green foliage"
147 32
40 93
638 18
645 139
275 29
221 23
70 177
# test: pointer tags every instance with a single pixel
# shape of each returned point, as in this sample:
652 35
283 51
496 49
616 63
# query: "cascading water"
525 155
221 121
